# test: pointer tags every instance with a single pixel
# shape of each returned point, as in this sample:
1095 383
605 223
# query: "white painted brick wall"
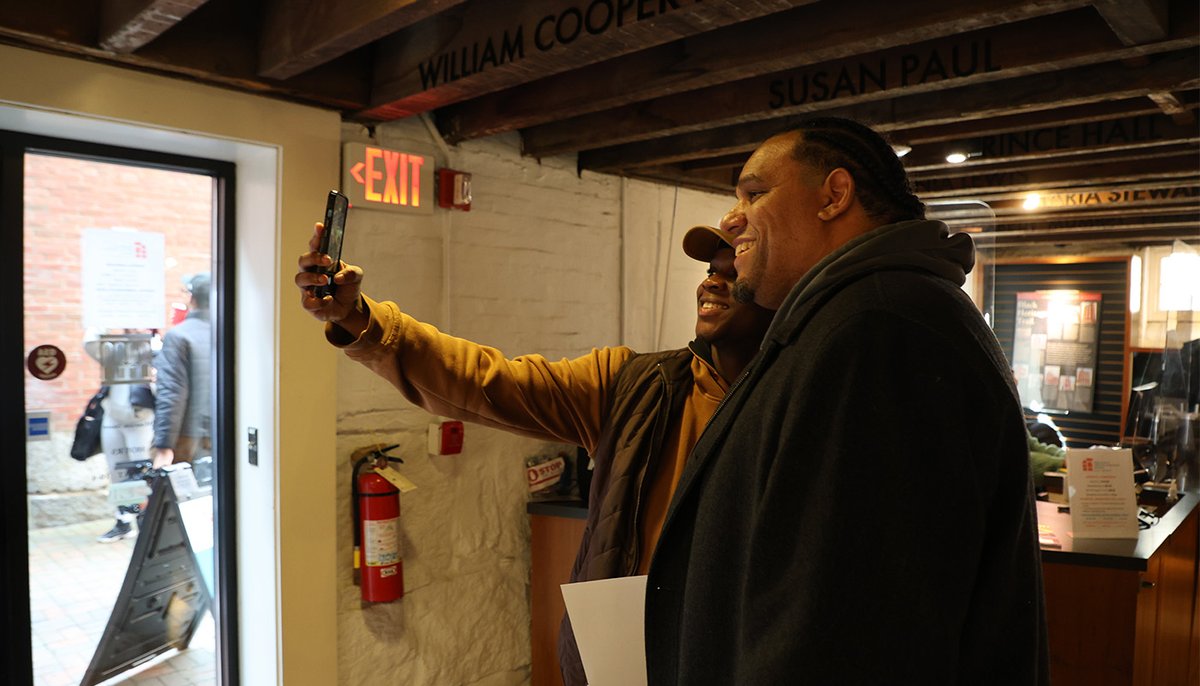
535 266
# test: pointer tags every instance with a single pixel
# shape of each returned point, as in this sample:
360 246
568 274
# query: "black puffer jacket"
650 389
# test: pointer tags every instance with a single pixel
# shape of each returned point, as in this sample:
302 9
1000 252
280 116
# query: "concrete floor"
74 582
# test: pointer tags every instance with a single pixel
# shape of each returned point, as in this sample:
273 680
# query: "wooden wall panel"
555 541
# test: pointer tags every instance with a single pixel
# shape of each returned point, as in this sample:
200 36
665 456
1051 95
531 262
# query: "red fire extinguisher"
376 504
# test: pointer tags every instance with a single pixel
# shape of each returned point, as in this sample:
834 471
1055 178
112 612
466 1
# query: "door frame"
15 618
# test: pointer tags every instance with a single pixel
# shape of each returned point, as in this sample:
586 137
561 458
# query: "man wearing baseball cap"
182 414
637 415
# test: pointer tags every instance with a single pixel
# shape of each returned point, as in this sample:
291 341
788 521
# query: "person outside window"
183 414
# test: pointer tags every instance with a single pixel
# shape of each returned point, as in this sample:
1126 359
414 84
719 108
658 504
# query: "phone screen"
335 227
331 238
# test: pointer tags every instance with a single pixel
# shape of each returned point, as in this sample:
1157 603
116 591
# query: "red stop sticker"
46 362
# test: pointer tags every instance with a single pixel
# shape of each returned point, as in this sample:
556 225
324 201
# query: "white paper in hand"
608 619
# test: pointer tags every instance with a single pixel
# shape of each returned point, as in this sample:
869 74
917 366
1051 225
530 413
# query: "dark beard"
743 292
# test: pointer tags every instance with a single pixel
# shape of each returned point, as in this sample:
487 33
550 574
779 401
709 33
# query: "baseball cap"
199 285
702 242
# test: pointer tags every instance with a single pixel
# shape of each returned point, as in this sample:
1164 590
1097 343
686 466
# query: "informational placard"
122 278
37 425
1056 348
1100 492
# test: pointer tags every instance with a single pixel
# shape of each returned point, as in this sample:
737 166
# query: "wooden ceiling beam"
298 36
219 42
1075 218
1038 45
722 162
1136 21
1172 104
1040 119
1052 143
1034 164
485 46
1087 235
1168 102
1164 200
797 38
1165 193
126 25
712 180
215 45
1082 231
1167 171
58 25
1076 86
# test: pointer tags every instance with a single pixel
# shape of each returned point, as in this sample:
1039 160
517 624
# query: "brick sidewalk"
74 582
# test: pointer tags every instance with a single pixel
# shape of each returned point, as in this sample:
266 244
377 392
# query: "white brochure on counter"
1100 491
608 619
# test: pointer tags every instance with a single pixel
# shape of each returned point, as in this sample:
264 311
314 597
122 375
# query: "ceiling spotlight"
901 149
1032 201
956 157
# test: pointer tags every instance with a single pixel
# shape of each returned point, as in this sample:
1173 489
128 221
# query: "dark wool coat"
859 509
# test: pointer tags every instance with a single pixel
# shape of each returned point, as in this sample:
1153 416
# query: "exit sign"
378 178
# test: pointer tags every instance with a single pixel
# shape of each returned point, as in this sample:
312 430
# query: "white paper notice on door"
122 275
1100 491
608 619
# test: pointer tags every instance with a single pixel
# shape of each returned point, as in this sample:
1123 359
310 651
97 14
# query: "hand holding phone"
336 206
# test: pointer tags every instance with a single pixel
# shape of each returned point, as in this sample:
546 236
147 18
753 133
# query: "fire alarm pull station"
454 189
446 438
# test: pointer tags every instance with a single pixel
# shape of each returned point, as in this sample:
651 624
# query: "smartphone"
331 238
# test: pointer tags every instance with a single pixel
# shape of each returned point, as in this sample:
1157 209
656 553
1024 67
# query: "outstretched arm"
528 395
564 400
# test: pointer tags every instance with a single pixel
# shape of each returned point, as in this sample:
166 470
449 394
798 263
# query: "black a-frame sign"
163 598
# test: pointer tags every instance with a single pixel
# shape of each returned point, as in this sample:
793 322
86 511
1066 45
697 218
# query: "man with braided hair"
803 543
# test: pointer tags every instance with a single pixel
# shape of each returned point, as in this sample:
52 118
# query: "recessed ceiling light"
901 149
956 157
1032 201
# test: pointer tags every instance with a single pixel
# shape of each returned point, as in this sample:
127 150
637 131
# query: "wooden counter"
1124 611
555 529
1119 612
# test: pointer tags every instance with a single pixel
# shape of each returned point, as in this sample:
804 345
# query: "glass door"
121 293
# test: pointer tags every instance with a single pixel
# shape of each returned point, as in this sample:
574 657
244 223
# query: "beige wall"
298 146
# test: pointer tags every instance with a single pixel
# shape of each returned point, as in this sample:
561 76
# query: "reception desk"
555 530
1124 611
1119 612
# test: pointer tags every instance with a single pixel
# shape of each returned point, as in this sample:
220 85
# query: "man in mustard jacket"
637 415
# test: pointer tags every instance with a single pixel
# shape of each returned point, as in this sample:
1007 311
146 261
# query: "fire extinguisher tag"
396 479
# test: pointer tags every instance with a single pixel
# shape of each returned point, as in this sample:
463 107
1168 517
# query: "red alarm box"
446 438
